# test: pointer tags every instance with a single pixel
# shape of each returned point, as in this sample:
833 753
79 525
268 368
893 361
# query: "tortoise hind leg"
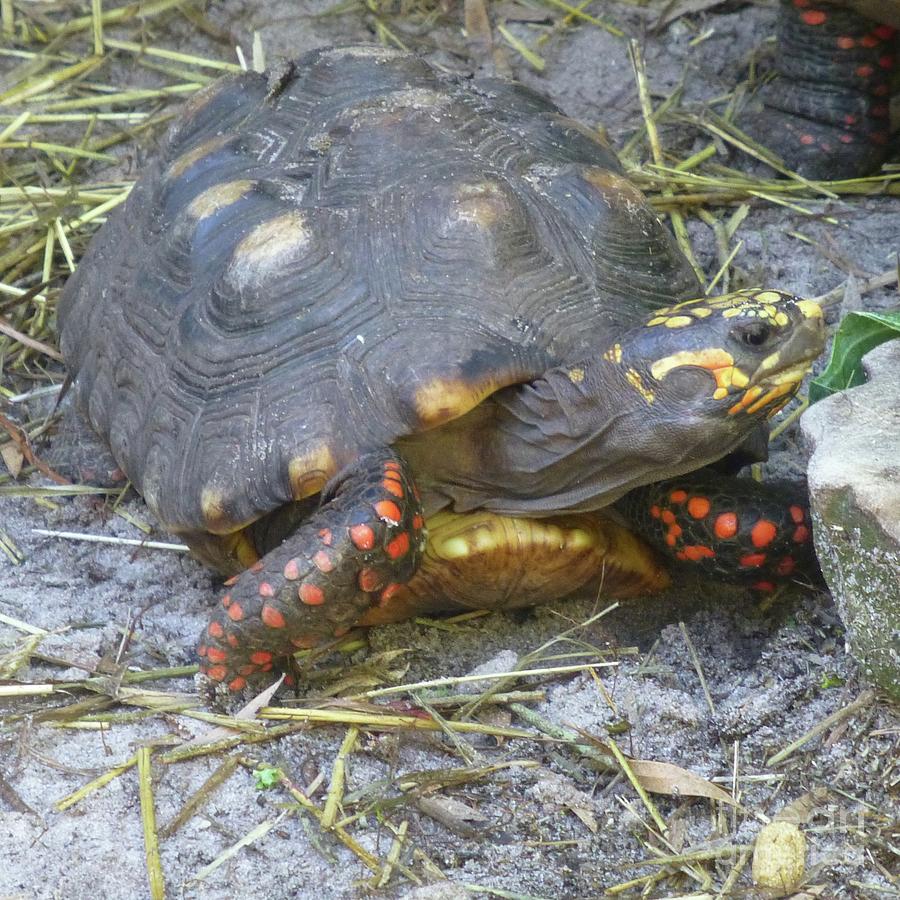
366 538
734 529
826 111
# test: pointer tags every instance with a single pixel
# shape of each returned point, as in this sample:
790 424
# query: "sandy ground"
771 675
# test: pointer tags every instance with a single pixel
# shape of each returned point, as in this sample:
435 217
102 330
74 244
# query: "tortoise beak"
792 361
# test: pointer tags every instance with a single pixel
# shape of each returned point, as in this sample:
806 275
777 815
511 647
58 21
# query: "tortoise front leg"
366 538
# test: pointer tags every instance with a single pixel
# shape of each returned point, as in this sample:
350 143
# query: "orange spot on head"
845 42
216 655
272 617
654 511
235 612
261 657
322 561
215 630
668 516
752 560
216 673
813 16
362 536
801 534
292 570
237 684
797 515
807 139
864 71
726 525
387 509
399 546
311 594
266 589
369 580
678 496
393 487
763 533
696 552
698 507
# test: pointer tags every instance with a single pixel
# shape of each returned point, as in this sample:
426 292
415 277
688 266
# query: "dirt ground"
550 824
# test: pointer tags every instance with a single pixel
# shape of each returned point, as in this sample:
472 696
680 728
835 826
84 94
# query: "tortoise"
826 112
358 299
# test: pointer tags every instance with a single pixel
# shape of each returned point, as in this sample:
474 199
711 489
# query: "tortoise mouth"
791 362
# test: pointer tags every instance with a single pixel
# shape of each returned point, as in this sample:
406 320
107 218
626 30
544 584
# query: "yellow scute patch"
268 246
442 399
218 197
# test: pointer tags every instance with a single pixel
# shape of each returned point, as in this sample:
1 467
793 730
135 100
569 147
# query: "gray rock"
854 485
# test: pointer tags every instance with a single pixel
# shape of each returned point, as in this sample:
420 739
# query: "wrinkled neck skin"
576 439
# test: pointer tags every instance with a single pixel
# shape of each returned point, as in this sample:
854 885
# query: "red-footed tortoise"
361 299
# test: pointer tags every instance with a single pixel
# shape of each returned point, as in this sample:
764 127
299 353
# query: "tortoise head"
722 363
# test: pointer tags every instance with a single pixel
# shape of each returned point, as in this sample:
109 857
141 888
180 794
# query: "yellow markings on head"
739 379
186 160
634 379
780 390
218 197
442 399
657 321
678 321
711 358
769 297
309 472
733 311
614 354
750 397
719 363
576 375
267 247
701 312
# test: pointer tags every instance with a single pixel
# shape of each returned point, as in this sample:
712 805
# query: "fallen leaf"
667 778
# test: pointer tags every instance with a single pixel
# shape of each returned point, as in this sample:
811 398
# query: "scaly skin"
826 111
727 528
367 537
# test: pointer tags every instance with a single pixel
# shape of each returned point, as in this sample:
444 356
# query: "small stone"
779 858
854 486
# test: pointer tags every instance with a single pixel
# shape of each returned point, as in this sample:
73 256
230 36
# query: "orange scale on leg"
326 536
388 510
272 617
786 565
654 511
216 673
261 657
215 630
814 16
292 570
235 612
266 589
237 684
226 600
696 552
362 537
322 561
801 534
216 655
201 650
797 514
393 487
763 533
699 507
247 670
311 594
668 516
369 580
726 525
399 546
678 496
752 560
232 641
256 567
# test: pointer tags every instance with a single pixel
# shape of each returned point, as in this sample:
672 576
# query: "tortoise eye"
754 334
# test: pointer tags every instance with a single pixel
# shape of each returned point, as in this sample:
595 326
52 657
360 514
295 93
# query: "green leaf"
858 334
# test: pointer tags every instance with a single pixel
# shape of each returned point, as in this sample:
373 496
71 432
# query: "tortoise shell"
321 263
